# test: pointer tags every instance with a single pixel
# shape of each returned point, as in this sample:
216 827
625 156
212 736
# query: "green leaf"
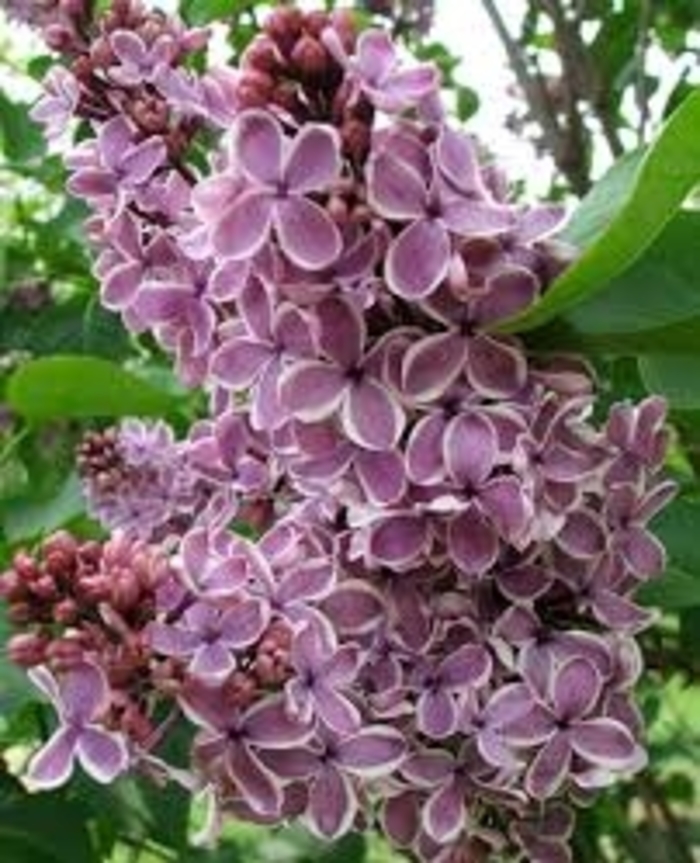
661 287
20 138
676 589
676 376
33 820
204 11
25 519
72 386
467 102
678 527
602 203
666 175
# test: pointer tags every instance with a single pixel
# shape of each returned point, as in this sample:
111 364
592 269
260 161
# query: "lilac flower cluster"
433 631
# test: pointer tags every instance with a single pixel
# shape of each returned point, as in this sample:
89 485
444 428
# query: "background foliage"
589 93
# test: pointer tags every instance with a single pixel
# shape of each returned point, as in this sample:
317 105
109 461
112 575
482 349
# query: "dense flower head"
397 559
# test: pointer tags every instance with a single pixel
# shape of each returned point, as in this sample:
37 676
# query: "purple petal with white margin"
268 725
475 218
373 752
604 742
258 145
400 819
576 688
238 362
433 364
424 462
381 475
470 449
256 308
469 665
313 160
335 710
404 89
102 754
306 582
504 500
428 768
244 623
493 367
255 783
643 552
244 228
444 815
583 535
343 331
332 804
354 607
509 292
84 693
212 662
436 714
142 160
398 539
376 54
371 417
172 640
548 771
456 159
306 233
621 614
395 190
121 285
418 260
537 222
472 542
52 765
311 390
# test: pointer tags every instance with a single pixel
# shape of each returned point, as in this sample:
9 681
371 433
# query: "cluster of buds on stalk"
434 630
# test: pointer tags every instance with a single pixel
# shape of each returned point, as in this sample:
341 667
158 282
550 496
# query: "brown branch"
565 140
580 73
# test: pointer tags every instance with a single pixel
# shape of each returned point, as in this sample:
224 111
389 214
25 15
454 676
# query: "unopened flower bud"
310 58
27 649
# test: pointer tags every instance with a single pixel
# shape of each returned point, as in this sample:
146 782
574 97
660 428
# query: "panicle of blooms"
136 480
84 609
433 628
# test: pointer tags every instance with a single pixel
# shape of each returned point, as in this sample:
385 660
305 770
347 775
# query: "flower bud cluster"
136 480
434 631
89 602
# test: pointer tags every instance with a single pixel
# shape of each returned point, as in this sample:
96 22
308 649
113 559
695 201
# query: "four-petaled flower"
282 174
81 698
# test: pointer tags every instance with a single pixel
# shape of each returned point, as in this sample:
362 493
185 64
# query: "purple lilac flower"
432 615
281 175
79 696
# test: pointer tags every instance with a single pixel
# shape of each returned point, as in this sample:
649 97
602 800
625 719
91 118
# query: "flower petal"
576 688
371 417
313 162
433 364
604 742
257 146
52 765
372 752
418 260
102 754
472 542
470 449
549 769
311 390
244 228
306 233
394 189
495 368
